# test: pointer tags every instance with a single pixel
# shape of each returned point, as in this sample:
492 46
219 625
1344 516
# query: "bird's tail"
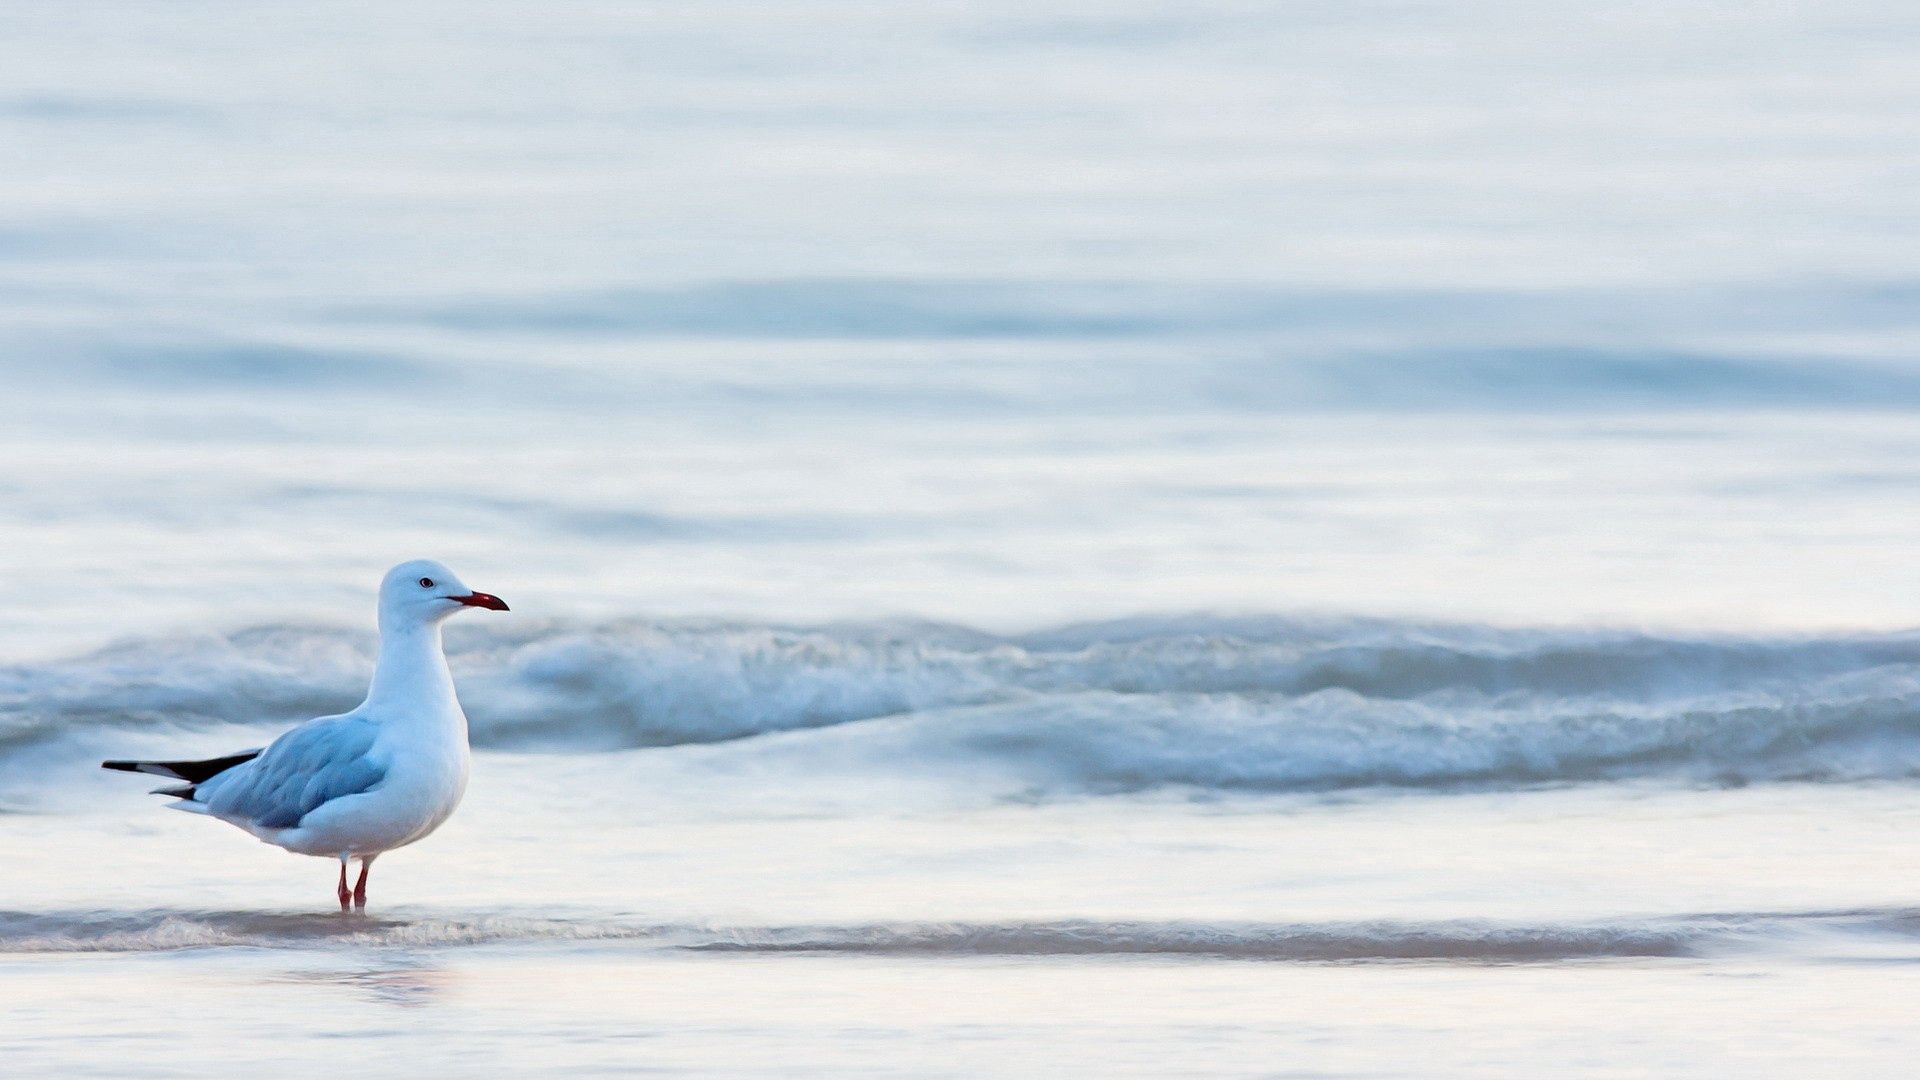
193 772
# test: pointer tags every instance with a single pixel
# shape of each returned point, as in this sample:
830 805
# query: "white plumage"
365 782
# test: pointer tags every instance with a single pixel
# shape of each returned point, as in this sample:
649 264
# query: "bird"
360 784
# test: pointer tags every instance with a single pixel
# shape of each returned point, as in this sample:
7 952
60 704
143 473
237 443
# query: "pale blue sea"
1065 539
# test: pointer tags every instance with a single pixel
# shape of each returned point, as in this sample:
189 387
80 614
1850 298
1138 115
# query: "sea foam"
1443 941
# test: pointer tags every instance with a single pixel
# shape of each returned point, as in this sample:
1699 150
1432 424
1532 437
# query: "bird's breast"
426 773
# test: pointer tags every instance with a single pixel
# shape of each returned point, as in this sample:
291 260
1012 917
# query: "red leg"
359 887
344 895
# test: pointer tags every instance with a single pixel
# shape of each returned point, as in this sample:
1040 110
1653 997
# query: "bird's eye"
426 583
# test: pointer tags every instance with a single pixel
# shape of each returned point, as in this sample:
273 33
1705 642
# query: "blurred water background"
1221 538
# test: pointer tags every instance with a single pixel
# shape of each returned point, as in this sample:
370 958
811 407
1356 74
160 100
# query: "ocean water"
1217 539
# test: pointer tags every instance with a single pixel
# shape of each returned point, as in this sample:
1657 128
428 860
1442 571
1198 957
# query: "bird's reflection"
405 984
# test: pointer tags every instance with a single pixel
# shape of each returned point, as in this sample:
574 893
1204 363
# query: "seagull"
360 784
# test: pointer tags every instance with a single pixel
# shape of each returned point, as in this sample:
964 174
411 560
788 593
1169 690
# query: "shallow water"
605 1010
581 914
1120 539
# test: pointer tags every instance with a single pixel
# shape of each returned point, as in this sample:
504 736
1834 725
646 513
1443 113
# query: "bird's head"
423 591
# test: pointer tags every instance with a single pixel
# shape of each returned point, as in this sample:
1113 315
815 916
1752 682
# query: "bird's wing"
308 767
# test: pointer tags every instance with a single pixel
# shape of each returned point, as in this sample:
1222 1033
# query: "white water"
1202 539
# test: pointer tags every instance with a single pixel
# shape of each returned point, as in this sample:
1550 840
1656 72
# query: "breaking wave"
1208 702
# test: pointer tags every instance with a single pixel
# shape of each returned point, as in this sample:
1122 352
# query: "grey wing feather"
308 767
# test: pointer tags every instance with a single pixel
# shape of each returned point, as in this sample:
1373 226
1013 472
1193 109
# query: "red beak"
480 599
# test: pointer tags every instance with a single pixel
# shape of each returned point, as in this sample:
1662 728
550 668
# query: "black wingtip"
193 772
